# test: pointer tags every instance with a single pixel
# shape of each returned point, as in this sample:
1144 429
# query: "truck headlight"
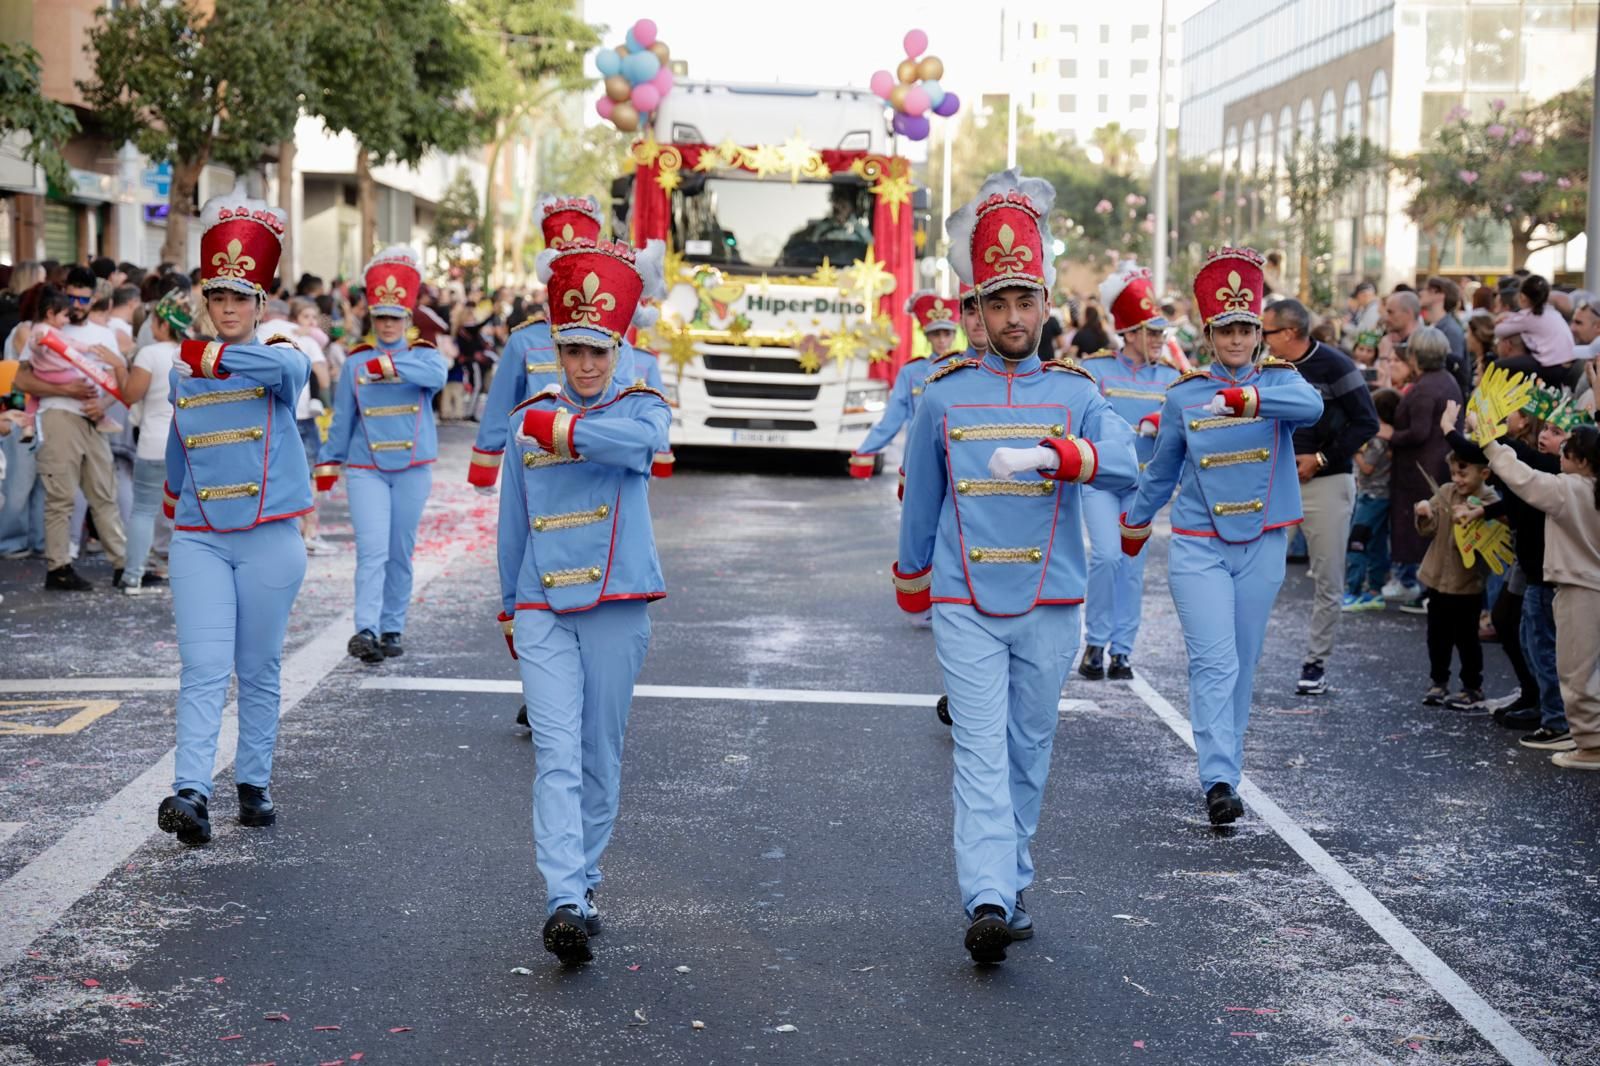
867 399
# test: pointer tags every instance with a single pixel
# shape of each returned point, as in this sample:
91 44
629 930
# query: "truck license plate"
759 436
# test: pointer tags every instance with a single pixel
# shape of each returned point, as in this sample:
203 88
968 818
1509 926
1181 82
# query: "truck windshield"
750 225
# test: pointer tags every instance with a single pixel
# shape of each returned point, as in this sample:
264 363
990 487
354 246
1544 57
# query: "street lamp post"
1159 253
1591 259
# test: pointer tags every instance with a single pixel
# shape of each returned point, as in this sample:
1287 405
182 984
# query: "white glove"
529 442
1007 463
1147 429
183 368
1218 406
484 490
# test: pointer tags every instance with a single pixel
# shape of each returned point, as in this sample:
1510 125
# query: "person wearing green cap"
148 390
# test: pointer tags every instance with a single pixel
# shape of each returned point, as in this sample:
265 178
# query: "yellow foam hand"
1490 539
1499 393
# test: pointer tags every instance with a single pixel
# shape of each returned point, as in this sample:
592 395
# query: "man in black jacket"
1324 454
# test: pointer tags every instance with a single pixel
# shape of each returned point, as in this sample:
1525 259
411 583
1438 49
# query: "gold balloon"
929 68
897 97
906 71
662 52
618 89
622 50
625 118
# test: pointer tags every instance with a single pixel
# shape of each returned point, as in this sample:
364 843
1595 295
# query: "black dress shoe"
116 578
1223 804
1121 669
522 717
942 709
1093 664
566 936
185 814
591 914
1020 923
1518 717
364 646
988 935
65 579
255 806
391 646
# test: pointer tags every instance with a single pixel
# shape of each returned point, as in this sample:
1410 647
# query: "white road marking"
691 692
41 892
74 685
9 830
1473 1008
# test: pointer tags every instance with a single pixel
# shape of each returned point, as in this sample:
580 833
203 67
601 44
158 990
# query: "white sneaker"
318 546
134 590
924 621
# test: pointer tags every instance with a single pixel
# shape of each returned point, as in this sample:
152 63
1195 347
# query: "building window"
1105 34
1140 33
1067 104
1138 102
1105 69
1247 147
1069 34
1068 68
1104 102
1492 55
1445 47
1350 126
1136 134
1308 120
1328 126
1138 67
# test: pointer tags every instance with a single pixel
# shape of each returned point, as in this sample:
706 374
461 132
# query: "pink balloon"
604 106
882 82
644 31
918 101
646 97
663 81
916 43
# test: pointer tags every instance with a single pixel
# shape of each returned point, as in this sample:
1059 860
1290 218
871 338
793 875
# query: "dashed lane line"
1473 1008
76 685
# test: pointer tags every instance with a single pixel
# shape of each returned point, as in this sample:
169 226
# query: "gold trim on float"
229 492
390 446
1249 455
394 409
535 460
1242 507
1222 421
223 436
999 487
570 520
1135 394
1006 555
206 399
560 579
1006 431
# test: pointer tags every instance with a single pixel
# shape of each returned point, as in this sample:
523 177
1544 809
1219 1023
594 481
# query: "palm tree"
1118 149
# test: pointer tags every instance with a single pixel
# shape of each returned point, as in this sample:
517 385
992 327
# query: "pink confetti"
357 1056
103 1062
130 1040
133 1005
90 982
275 1017
1139 1044
231 1036
35 954
1414 1046
324 1028
634 967
1391 999
218 980
401 1029
1244 1034
335 1062
44 977
263 1064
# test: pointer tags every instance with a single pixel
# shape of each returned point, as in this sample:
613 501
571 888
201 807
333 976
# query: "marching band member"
384 435
1135 382
990 537
577 566
1226 443
236 477
972 324
937 318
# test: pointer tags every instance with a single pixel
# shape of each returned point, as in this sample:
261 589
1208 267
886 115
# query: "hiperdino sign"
720 303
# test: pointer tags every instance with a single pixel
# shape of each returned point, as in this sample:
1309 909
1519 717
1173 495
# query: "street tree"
1319 174
44 124
457 234
1119 152
190 88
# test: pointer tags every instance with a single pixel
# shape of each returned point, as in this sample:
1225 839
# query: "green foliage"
1527 169
1319 175
456 220
191 89
586 159
24 109
525 47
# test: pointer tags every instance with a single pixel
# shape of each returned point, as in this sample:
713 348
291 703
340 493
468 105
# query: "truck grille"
760 390
796 425
752 364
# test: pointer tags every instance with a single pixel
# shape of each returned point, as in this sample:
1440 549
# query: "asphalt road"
783 854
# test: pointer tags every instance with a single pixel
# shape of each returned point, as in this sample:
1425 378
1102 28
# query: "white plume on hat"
914 297
541 264
236 202
395 253
1112 287
960 225
651 262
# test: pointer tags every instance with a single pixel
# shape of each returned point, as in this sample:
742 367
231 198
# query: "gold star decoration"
843 347
764 159
676 344
669 180
729 152
645 152
672 268
811 352
800 159
709 160
893 186
826 274
868 278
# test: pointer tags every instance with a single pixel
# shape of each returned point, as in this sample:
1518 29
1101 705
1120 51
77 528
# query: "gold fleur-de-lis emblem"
1003 256
566 234
1234 296
389 292
939 312
233 263
587 307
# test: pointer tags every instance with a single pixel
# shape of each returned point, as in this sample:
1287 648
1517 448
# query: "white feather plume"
541 264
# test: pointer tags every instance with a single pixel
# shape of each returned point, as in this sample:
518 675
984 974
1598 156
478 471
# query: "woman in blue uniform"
236 477
577 566
1225 443
383 434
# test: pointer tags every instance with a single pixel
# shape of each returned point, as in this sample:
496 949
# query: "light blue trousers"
1004 678
1116 582
577 672
149 476
231 593
1224 594
385 509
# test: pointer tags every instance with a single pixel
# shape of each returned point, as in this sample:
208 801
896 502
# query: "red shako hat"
1230 286
594 288
996 241
1130 295
932 311
241 241
393 282
567 218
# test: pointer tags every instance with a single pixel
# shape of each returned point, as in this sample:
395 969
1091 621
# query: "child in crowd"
1366 565
1571 503
1457 589
1366 350
48 354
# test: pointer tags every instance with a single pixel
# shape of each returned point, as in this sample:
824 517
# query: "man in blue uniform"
990 536
1135 382
1226 443
383 434
577 566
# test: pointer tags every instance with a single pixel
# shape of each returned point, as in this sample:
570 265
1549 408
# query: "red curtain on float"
891 226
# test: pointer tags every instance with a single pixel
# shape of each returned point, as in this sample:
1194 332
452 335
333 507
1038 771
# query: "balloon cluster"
913 90
638 76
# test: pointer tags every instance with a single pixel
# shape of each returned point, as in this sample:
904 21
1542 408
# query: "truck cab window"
745 225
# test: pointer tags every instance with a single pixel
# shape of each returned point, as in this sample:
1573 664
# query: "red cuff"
204 358
861 465
485 469
325 475
169 502
913 592
508 624
1242 402
382 367
539 423
662 463
1133 537
1154 418
1079 462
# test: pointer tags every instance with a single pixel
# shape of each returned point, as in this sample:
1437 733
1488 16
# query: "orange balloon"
622 50
662 52
897 97
930 68
625 118
906 71
618 89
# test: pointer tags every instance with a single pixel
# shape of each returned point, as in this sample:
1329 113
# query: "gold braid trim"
951 368
1190 376
543 368
1242 507
998 487
1006 555
209 358
1069 366
229 492
1250 455
207 399
535 460
393 409
570 520
1135 394
560 579
390 445
223 436
1221 422
1006 431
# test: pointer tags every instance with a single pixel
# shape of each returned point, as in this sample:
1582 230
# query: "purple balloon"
948 106
898 123
916 127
